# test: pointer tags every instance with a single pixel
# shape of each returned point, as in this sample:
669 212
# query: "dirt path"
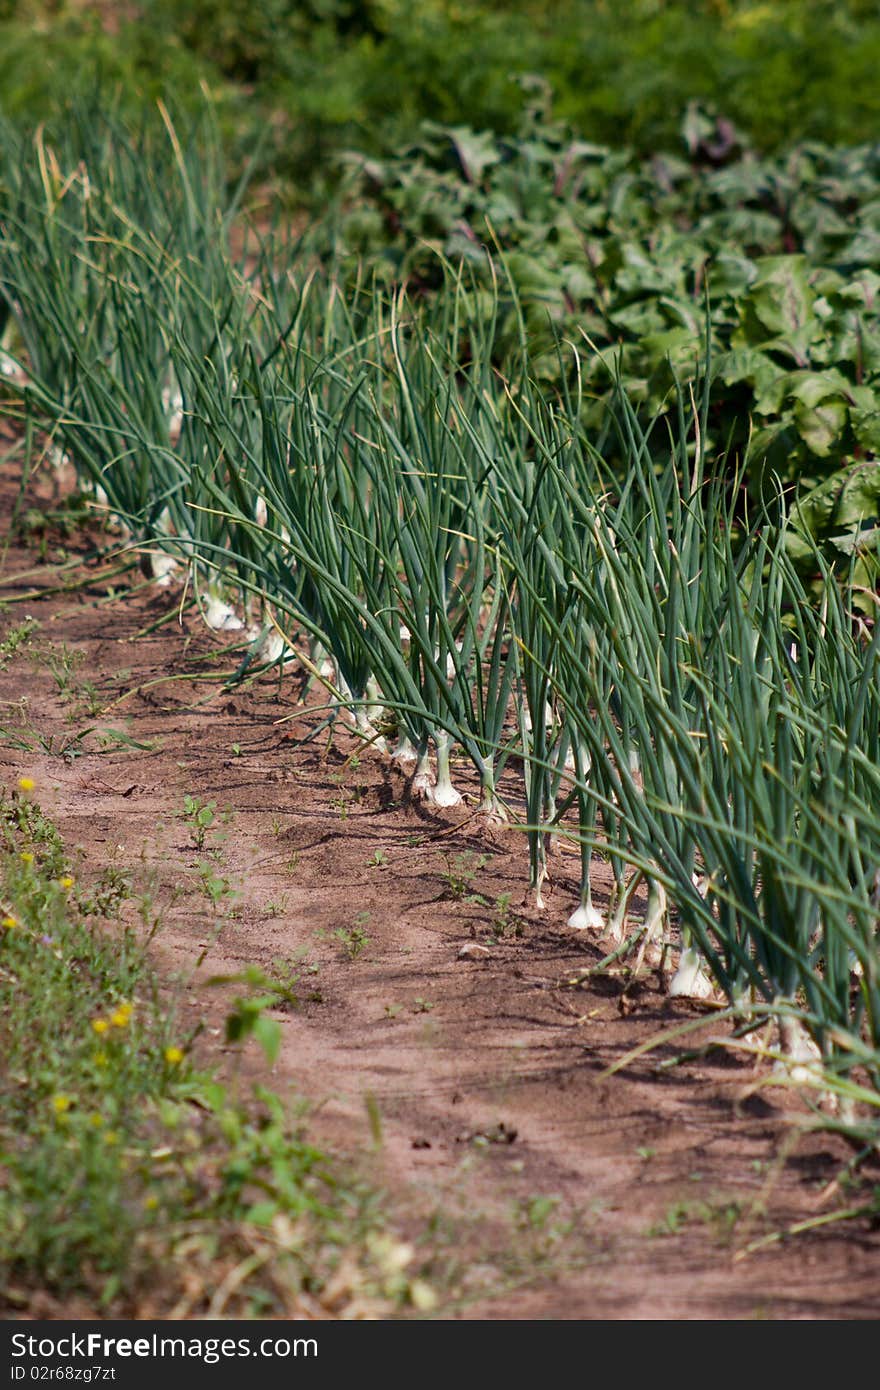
468 1089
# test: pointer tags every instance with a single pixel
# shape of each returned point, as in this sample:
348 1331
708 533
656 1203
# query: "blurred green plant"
313 76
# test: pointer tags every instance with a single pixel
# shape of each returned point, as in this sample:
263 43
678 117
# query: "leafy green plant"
16 638
290 973
787 280
113 887
505 923
87 1057
461 870
216 888
63 664
247 1019
355 939
199 817
720 1215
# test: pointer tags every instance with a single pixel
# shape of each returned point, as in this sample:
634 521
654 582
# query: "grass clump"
129 1178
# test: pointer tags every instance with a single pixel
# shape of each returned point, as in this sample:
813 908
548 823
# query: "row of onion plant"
593 623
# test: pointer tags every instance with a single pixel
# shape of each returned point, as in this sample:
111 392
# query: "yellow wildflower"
26 857
26 784
100 1025
111 1137
60 1103
151 1202
121 1017
9 922
96 1120
173 1056
66 881
101 1059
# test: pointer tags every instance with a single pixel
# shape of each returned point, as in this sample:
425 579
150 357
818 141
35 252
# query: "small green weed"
354 939
200 818
62 663
247 1017
16 639
112 889
290 974
505 924
215 888
461 870
721 1216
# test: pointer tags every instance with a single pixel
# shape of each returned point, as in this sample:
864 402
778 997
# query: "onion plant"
623 654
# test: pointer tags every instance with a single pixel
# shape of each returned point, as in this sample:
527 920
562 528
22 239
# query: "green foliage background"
322 74
622 157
